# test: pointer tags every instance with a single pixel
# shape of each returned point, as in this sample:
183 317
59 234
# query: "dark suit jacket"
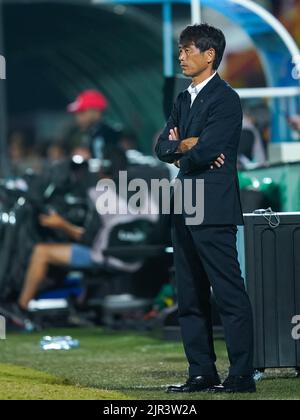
216 118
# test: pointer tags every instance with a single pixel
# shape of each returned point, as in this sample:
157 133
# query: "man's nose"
181 56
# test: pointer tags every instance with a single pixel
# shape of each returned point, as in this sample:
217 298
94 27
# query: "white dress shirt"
194 90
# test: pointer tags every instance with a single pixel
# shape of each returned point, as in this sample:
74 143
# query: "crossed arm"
187 144
221 132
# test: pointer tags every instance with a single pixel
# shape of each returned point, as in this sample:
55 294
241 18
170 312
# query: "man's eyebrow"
184 46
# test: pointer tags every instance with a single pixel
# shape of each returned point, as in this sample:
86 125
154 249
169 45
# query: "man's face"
192 61
86 119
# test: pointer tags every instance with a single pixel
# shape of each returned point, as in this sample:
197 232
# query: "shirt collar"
196 89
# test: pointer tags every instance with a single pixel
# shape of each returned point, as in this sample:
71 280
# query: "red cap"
88 99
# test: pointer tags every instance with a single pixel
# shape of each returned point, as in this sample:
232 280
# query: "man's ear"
210 55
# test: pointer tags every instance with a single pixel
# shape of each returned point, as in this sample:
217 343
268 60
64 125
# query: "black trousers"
206 257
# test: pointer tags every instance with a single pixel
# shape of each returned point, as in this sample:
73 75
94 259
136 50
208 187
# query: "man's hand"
186 144
174 134
52 221
219 162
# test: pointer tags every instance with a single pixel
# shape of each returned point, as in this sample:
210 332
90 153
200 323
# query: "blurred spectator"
55 152
294 122
81 151
76 253
128 141
88 109
251 149
21 150
17 148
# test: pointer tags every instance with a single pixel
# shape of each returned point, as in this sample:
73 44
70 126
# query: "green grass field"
112 366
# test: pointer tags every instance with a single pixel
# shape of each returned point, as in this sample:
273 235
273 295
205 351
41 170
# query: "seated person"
75 254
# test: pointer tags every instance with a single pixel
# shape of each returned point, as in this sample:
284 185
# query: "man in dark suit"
202 137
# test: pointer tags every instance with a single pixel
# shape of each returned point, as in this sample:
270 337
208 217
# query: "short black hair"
205 37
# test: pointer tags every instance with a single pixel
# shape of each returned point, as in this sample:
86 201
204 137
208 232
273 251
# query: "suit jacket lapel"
200 99
185 110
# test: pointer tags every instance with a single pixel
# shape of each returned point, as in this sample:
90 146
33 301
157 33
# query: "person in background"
21 151
55 152
82 152
88 110
75 253
251 148
294 122
128 141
